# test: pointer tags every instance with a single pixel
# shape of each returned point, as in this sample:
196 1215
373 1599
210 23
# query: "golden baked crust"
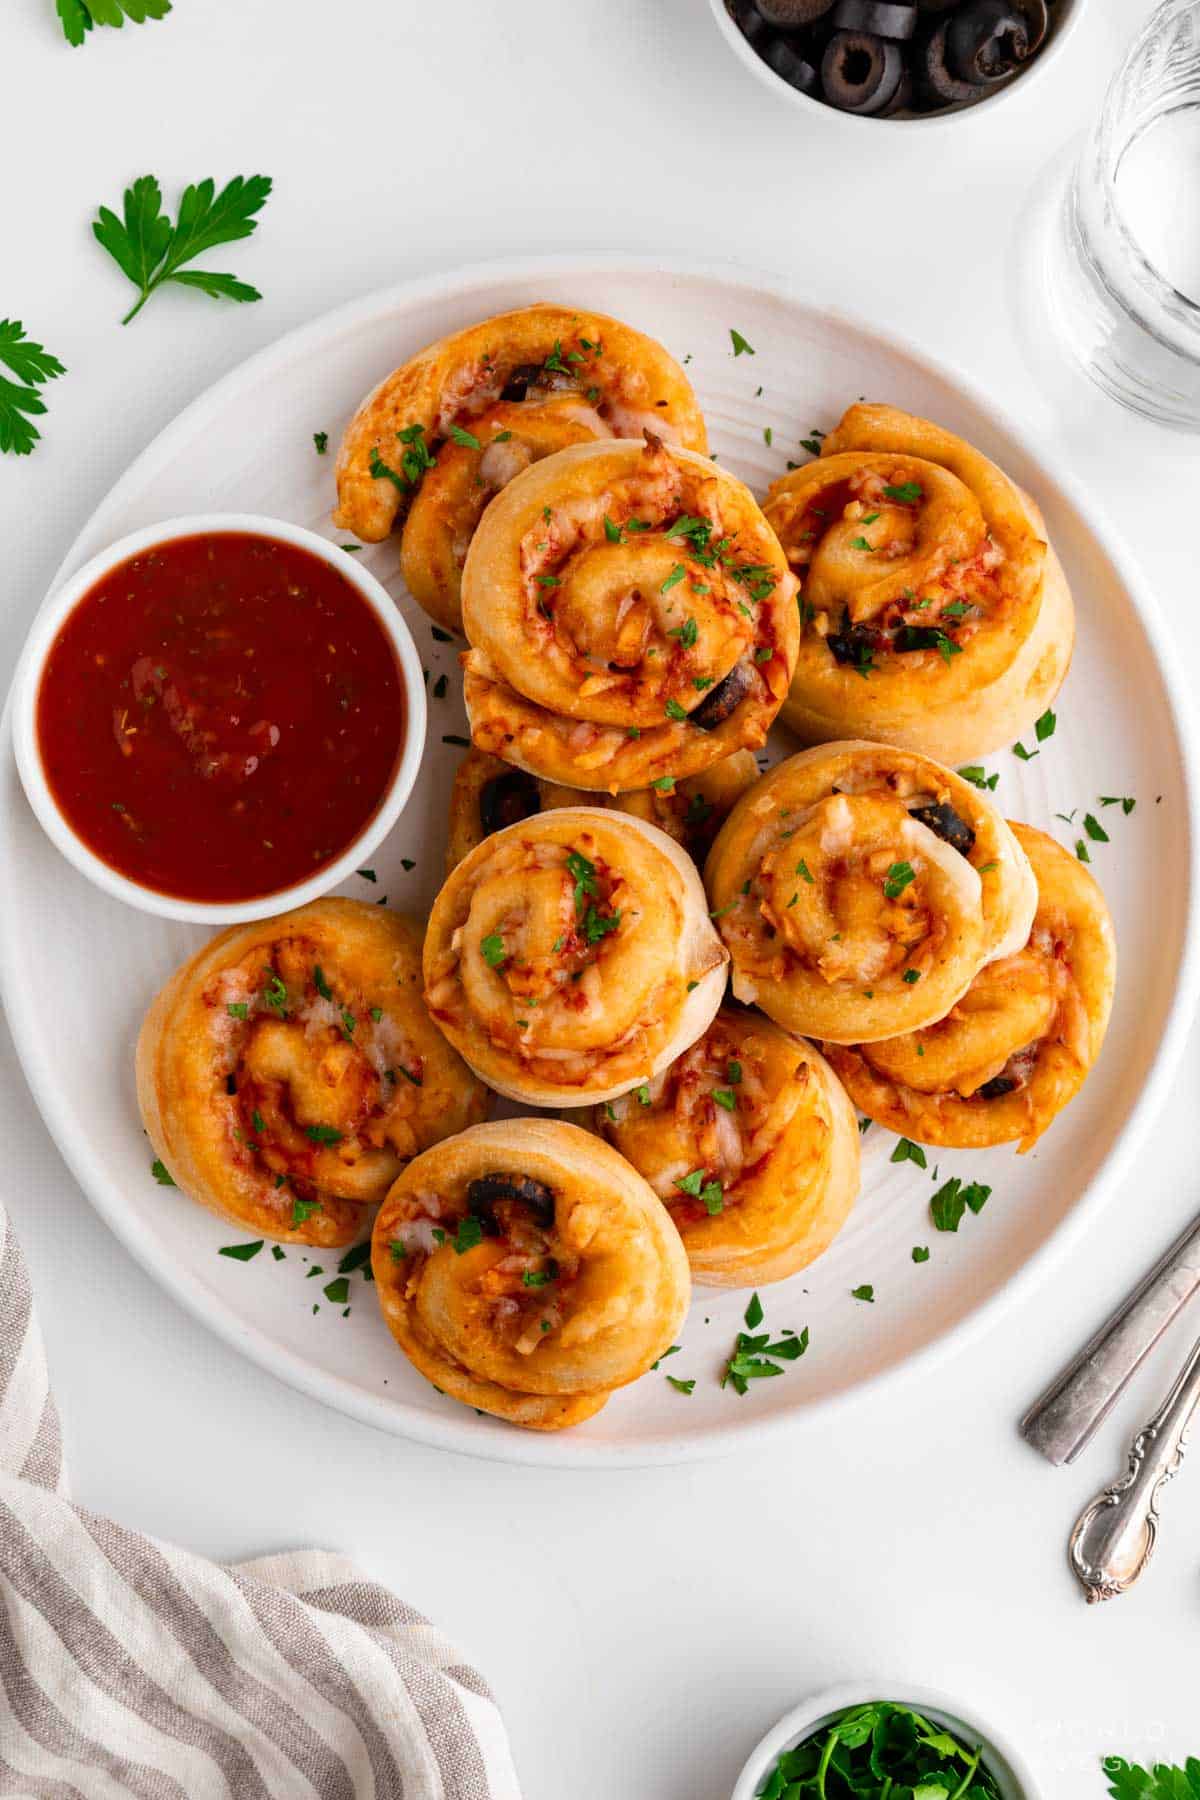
489 794
848 910
752 1145
472 410
571 956
630 615
1020 1043
289 1069
526 1269
935 614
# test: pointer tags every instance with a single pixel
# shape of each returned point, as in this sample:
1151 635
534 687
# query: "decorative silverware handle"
1064 1419
1114 1537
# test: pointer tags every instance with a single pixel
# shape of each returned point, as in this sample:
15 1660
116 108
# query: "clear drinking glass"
1125 261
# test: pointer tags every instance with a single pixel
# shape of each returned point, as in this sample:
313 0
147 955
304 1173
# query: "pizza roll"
525 1269
1019 1044
631 618
571 956
490 794
860 889
750 1142
934 613
289 1070
442 434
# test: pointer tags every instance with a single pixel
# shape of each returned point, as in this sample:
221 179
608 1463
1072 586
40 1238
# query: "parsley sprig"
1163 1782
151 251
77 17
755 1357
33 366
880 1750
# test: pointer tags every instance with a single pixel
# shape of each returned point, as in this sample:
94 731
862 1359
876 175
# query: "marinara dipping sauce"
220 716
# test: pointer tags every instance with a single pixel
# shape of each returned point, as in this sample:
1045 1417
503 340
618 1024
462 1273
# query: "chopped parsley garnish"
643 1094
740 345
952 1200
753 1316
725 1097
673 579
237 1009
321 440
337 1291
860 543
319 982
322 1134
467 439
674 711
905 492
897 879
161 1174
398 1249
687 633
1095 829
275 994
911 976
493 951
710 1194
1044 727
241 1252
907 1151
536 1278
468 1235
416 458
1124 801
355 1258
865 1292
804 872
597 925
978 776
920 1253
303 1210
612 532
681 1386
583 874
1081 851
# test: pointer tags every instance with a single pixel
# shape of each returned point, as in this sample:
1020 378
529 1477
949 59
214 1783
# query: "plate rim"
562 1449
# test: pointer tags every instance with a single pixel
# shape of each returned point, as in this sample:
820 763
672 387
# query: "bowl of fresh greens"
850 1743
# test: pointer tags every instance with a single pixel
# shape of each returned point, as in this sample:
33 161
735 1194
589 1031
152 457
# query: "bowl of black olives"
904 61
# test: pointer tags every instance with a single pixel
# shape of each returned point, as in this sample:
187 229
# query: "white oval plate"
248 444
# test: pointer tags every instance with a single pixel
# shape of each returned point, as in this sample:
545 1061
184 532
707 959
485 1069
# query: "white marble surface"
642 1628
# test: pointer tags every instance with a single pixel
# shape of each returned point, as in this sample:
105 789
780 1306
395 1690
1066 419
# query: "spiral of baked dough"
630 616
570 956
934 613
489 794
447 430
859 890
526 1269
289 1070
1019 1043
750 1142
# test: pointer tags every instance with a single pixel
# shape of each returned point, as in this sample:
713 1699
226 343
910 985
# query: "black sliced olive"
486 1190
938 84
720 701
790 15
519 380
986 40
945 823
936 6
750 22
998 1086
886 18
860 72
854 644
507 799
795 71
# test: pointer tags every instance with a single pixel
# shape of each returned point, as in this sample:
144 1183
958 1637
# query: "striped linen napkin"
132 1670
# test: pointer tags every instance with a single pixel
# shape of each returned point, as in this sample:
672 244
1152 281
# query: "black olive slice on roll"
860 72
507 799
945 823
795 71
487 1191
987 40
885 18
724 699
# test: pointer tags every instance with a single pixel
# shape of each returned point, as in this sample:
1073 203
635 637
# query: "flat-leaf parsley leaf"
151 251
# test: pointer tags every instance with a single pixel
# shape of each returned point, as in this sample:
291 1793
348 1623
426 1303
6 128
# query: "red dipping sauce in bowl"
221 715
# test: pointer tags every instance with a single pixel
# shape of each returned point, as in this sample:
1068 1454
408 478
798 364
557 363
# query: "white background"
641 1628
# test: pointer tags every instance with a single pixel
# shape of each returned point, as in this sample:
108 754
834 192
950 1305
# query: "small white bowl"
1012 1773
1066 13
27 682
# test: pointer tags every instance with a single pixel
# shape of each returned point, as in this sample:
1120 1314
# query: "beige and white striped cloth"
132 1670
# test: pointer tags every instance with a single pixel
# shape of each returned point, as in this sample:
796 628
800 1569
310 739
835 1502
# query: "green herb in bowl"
880 1751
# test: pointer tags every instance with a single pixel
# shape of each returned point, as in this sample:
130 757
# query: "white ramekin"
1061 25
1012 1773
27 681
